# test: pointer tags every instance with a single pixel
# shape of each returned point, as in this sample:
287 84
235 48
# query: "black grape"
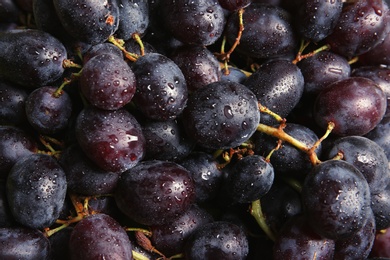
107 82
155 192
133 18
233 74
337 199
30 57
101 48
24 244
199 22
36 189
113 140
380 205
221 115
91 21
380 75
381 250
355 105
380 135
234 5
12 104
379 55
278 85
99 236
268 32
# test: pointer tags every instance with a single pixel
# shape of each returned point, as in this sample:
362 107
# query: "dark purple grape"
378 55
24 244
46 112
288 160
234 5
161 92
90 21
205 173
113 140
133 18
381 245
9 11
355 105
233 74
107 82
198 64
380 75
337 199
323 69
15 143
83 176
133 47
166 140
248 180
101 48
170 238
380 135
12 104
267 31
359 245
217 240
367 156
297 240
362 25
278 85
31 57
380 205
221 115
317 19
155 192
99 236
199 22
36 189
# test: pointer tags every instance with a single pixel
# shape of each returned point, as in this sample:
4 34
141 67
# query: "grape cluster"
202 129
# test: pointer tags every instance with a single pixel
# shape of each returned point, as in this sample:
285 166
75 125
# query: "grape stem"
119 43
257 213
137 38
139 256
301 56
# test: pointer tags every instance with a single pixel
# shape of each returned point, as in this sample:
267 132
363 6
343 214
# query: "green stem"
257 213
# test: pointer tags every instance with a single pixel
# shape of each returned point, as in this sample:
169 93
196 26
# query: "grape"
380 135
355 105
367 156
234 5
133 18
23 243
46 112
278 85
381 245
101 48
12 104
199 22
107 82
90 21
99 236
217 240
379 75
337 199
378 55
380 205
161 87
362 25
155 192
31 57
297 240
233 74
221 115
268 32
113 140
36 189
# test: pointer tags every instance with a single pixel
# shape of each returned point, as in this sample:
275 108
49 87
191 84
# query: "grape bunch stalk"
203 129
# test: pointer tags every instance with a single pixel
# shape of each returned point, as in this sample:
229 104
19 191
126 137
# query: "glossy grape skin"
234 5
166 140
101 48
217 240
367 156
362 25
83 176
113 140
359 245
297 240
199 22
15 143
378 55
380 75
155 192
249 179
30 57
198 64
278 85
337 199
381 245
99 236
205 173
317 19
161 92
45 112
221 115
170 238
234 74
380 135
89 21
380 205
36 190
355 105
321 70
12 104
268 32
133 18
24 244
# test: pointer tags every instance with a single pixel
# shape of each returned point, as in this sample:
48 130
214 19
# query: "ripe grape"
12 104
133 18
380 75
101 48
380 205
